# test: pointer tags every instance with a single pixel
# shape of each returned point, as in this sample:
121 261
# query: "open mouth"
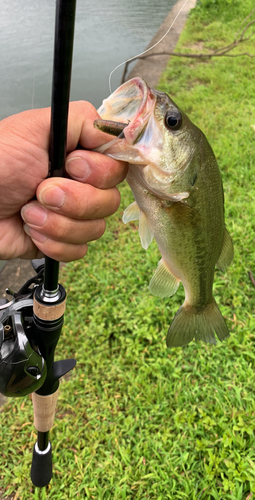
126 112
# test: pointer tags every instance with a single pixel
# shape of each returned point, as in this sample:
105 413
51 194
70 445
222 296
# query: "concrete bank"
151 68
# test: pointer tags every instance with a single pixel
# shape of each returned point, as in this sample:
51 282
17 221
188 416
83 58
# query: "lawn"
136 420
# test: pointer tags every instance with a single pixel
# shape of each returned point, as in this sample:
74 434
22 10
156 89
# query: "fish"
179 201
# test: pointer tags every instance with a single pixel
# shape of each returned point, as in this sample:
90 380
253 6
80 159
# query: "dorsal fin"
227 252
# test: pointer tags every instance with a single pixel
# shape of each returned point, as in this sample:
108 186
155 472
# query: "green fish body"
179 201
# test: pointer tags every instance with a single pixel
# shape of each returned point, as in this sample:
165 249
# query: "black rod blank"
61 82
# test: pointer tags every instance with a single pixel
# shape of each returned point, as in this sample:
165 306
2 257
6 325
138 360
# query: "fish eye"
173 120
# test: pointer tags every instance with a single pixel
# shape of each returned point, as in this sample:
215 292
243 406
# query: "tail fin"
200 324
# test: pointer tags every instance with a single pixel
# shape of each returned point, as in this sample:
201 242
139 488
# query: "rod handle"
44 410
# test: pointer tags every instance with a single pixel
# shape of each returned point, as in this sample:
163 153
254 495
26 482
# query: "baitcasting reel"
30 327
22 367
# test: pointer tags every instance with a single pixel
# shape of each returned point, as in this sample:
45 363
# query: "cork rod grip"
49 312
44 410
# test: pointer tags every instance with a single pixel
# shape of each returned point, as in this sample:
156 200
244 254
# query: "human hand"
68 213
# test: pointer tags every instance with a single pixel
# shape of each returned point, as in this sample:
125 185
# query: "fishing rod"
50 297
31 323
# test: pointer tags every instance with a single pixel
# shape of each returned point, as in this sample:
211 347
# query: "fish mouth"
126 112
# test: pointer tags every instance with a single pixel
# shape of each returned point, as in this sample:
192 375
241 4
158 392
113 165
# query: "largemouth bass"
179 201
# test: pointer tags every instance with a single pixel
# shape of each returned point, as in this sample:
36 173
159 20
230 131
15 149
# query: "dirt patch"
6 498
13 275
196 46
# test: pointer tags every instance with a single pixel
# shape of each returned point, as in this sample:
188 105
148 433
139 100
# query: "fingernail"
34 215
34 234
78 168
52 196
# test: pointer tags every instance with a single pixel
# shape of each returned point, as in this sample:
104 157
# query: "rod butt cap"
41 469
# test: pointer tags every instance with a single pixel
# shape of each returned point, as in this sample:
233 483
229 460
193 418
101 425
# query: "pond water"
106 34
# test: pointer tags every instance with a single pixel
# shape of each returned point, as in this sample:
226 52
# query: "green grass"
136 420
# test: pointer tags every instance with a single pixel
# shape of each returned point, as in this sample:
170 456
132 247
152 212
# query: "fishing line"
147 50
33 84
35 37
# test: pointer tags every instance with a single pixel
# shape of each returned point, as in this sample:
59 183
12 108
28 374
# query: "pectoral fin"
227 252
163 283
178 196
132 212
145 232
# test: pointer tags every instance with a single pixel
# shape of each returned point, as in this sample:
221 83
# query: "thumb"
82 115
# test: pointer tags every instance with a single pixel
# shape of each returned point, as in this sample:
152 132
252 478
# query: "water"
106 34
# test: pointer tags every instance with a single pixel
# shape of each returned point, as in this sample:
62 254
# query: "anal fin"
163 283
